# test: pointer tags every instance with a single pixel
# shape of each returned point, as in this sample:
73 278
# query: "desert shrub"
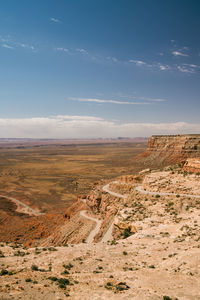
3 272
52 249
127 232
19 253
185 173
108 285
1 254
68 267
65 272
34 268
10 273
113 242
122 286
152 267
62 282
53 278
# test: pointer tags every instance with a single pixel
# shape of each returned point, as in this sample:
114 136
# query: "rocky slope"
192 165
157 259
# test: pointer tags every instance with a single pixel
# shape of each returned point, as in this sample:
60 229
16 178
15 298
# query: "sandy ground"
173 182
150 266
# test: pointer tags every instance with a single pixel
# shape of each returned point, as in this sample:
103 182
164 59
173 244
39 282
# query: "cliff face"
168 149
192 165
176 143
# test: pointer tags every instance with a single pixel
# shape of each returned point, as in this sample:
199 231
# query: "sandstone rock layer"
163 150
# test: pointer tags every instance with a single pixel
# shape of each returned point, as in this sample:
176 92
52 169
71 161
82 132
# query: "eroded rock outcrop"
192 165
164 150
123 229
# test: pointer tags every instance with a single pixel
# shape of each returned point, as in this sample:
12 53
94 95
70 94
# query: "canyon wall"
164 150
192 165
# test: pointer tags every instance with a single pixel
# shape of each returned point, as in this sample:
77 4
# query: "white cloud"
7 46
163 67
137 62
149 99
192 66
87 127
10 43
3 40
80 118
178 53
185 69
120 102
22 45
62 49
141 63
112 58
55 20
81 50
110 101
140 98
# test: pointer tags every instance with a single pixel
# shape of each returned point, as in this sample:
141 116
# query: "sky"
99 68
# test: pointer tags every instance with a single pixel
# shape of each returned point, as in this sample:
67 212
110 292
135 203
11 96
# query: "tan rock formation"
192 165
123 229
164 150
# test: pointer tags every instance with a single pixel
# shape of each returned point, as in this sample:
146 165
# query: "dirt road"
108 235
22 207
139 189
98 222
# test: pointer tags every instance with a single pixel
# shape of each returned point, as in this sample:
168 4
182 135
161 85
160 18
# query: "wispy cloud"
141 63
178 53
163 67
112 58
55 20
192 66
140 100
121 95
185 69
26 46
82 51
138 62
149 99
77 118
7 46
11 43
62 49
87 127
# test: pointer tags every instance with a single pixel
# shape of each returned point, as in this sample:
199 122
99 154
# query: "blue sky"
99 68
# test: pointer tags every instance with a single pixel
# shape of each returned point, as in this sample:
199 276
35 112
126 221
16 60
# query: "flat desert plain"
50 177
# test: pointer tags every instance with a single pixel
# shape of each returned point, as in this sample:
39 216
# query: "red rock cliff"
170 149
